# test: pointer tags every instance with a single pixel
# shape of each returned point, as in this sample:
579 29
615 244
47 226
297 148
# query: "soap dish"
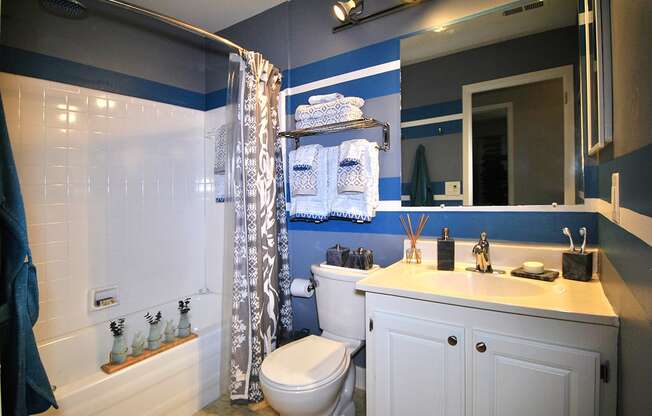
547 275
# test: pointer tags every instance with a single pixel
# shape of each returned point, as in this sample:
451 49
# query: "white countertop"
561 299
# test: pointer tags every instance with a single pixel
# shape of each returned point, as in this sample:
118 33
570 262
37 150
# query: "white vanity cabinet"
429 358
418 366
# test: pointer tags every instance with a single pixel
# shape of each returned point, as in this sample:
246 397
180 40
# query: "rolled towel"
331 108
353 114
306 157
324 98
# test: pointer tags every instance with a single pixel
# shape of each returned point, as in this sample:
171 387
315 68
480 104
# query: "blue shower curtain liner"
25 385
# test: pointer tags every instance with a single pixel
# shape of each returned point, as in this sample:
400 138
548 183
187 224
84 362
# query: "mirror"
491 110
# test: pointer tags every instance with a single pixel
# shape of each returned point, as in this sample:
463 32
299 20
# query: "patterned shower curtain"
262 309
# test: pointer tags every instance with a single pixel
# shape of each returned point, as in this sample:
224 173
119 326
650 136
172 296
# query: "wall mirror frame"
585 84
596 79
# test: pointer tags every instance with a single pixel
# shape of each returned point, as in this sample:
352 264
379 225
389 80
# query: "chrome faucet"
481 253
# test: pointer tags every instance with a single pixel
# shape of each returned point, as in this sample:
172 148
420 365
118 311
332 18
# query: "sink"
476 284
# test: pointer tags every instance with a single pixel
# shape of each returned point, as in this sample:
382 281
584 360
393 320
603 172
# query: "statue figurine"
481 253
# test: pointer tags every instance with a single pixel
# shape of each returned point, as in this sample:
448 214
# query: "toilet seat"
307 364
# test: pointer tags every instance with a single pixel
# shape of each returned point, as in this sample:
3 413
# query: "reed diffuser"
413 252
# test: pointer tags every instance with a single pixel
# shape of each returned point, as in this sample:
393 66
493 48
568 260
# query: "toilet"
315 376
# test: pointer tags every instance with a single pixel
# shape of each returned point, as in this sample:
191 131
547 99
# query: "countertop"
561 299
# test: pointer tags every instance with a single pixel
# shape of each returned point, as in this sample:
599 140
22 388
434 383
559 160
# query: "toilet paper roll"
301 288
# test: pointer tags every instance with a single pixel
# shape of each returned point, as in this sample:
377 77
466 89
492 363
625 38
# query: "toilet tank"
340 307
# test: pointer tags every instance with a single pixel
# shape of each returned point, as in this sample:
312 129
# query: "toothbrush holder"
577 265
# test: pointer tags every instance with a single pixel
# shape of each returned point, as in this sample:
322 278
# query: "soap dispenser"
445 251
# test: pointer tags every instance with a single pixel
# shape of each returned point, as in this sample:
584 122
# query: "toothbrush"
567 233
583 234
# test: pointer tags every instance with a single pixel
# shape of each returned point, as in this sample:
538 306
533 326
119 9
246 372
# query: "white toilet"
314 376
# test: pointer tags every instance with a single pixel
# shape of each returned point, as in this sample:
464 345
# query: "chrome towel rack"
363 123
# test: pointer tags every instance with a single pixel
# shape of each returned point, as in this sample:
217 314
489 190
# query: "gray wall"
632 74
627 267
108 38
443 153
440 80
538 139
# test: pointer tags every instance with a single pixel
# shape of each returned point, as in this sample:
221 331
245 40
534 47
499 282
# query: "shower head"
72 9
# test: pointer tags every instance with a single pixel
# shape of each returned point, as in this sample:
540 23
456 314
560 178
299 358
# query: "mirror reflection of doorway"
491 153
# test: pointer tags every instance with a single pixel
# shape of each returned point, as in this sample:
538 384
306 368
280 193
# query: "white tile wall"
118 190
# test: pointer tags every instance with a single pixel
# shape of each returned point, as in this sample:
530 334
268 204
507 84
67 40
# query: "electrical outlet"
453 188
615 197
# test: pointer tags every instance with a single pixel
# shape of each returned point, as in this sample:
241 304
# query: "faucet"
481 253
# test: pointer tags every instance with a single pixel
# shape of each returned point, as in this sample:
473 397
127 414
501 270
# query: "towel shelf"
363 123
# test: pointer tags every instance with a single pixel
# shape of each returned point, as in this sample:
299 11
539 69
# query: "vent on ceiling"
515 10
534 5
519 9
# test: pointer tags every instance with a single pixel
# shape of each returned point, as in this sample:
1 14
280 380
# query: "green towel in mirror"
420 187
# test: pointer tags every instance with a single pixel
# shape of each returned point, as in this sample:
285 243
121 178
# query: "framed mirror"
594 20
493 111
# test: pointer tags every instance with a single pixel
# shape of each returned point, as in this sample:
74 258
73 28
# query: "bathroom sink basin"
479 285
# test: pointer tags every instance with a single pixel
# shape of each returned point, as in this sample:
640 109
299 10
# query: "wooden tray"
109 368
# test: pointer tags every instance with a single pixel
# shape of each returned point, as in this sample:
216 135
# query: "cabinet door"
417 369
515 377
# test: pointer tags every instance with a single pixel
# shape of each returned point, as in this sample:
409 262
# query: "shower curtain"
262 310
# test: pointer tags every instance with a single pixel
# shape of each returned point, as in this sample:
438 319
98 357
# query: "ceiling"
212 15
486 30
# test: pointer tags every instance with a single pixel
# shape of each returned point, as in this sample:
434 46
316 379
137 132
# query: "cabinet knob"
452 340
481 347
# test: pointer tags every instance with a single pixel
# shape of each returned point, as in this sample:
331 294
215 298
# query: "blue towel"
25 385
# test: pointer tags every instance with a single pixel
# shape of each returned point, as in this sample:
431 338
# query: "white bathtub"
179 381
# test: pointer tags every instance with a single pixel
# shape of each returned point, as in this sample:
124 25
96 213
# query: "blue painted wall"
316 54
627 264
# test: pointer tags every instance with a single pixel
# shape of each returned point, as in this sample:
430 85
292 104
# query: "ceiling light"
347 10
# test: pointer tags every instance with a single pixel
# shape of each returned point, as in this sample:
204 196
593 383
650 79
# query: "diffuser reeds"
413 235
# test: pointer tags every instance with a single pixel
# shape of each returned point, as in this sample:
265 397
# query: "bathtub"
179 381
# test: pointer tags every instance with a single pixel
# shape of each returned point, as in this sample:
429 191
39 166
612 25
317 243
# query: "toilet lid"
308 361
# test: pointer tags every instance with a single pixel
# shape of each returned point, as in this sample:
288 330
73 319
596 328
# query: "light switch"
453 188
615 197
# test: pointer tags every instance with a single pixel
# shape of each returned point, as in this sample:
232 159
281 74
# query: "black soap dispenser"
445 251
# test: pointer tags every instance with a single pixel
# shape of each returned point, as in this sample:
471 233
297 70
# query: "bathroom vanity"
466 343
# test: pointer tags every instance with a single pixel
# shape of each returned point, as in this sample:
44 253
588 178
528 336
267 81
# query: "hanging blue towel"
25 385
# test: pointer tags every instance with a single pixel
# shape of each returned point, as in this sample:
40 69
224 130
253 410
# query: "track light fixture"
346 11
349 12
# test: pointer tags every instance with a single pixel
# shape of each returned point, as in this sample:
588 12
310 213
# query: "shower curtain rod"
175 22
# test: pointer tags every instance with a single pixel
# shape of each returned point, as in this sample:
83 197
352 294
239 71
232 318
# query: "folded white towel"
360 206
331 108
304 181
220 187
305 157
311 207
350 151
353 114
324 98
350 172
